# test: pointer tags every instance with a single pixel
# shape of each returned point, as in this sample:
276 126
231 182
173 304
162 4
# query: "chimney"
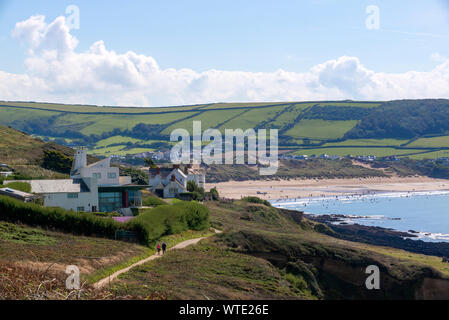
173 178
80 159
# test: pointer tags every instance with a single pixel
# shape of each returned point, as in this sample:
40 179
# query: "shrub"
56 161
197 192
12 210
169 219
153 201
257 200
20 186
214 194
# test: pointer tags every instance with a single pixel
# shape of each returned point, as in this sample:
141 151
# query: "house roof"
58 186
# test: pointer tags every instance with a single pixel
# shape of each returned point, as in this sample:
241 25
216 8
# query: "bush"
169 219
12 210
214 194
153 201
257 200
56 161
20 186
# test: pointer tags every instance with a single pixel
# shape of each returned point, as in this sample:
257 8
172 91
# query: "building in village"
169 182
91 188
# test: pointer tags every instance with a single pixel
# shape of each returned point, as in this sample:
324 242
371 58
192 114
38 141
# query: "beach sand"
288 189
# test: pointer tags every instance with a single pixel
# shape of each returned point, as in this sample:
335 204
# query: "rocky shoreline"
379 236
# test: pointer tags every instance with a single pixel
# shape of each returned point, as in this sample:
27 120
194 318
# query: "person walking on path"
158 248
164 247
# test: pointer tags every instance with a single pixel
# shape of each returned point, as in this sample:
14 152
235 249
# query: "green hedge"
12 210
149 225
169 219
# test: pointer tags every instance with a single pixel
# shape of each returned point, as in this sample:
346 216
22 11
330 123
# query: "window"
72 195
110 201
96 175
80 209
112 175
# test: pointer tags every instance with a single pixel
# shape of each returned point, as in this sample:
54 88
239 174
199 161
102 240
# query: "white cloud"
57 72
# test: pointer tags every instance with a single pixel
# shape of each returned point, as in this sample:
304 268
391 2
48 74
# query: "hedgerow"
149 225
12 210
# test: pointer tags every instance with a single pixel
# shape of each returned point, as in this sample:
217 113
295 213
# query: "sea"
424 213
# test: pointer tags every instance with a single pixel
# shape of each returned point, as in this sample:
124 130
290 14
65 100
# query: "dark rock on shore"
382 237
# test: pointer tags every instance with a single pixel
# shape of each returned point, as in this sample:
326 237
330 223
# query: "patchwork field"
341 127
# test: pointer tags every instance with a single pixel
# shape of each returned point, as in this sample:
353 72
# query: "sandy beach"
287 189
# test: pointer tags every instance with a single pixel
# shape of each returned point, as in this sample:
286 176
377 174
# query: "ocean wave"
281 203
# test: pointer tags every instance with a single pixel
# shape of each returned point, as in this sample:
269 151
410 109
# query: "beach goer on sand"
158 248
164 247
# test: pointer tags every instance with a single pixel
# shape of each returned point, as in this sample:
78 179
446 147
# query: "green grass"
251 119
170 240
435 142
378 152
209 120
20 186
24 235
430 155
287 117
321 129
26 245
367 142
260 258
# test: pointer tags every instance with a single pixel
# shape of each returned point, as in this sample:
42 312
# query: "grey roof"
58 186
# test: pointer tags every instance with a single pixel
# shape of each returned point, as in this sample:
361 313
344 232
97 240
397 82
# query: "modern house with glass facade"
91 188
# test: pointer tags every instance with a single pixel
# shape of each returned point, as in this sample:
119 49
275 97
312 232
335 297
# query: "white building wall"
172 189
88 172
88 200
200 179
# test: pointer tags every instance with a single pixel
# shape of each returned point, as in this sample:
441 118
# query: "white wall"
85 199
104 180
172 185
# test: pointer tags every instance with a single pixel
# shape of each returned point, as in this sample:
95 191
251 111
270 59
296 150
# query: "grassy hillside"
265 253
26 154
305 127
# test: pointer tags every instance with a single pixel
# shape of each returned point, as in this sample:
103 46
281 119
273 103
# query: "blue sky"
248 36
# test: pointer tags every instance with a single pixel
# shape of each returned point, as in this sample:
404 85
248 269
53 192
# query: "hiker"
164 247
158 248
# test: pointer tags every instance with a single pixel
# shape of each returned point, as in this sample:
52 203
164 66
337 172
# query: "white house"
91 188
169 182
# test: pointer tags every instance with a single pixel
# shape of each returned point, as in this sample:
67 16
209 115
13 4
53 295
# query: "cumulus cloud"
57 72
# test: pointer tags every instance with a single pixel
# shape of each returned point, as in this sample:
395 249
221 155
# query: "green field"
321 129
112 130
430 142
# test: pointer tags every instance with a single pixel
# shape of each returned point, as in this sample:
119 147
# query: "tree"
137 175
149 162
56 161
198 192
214 194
